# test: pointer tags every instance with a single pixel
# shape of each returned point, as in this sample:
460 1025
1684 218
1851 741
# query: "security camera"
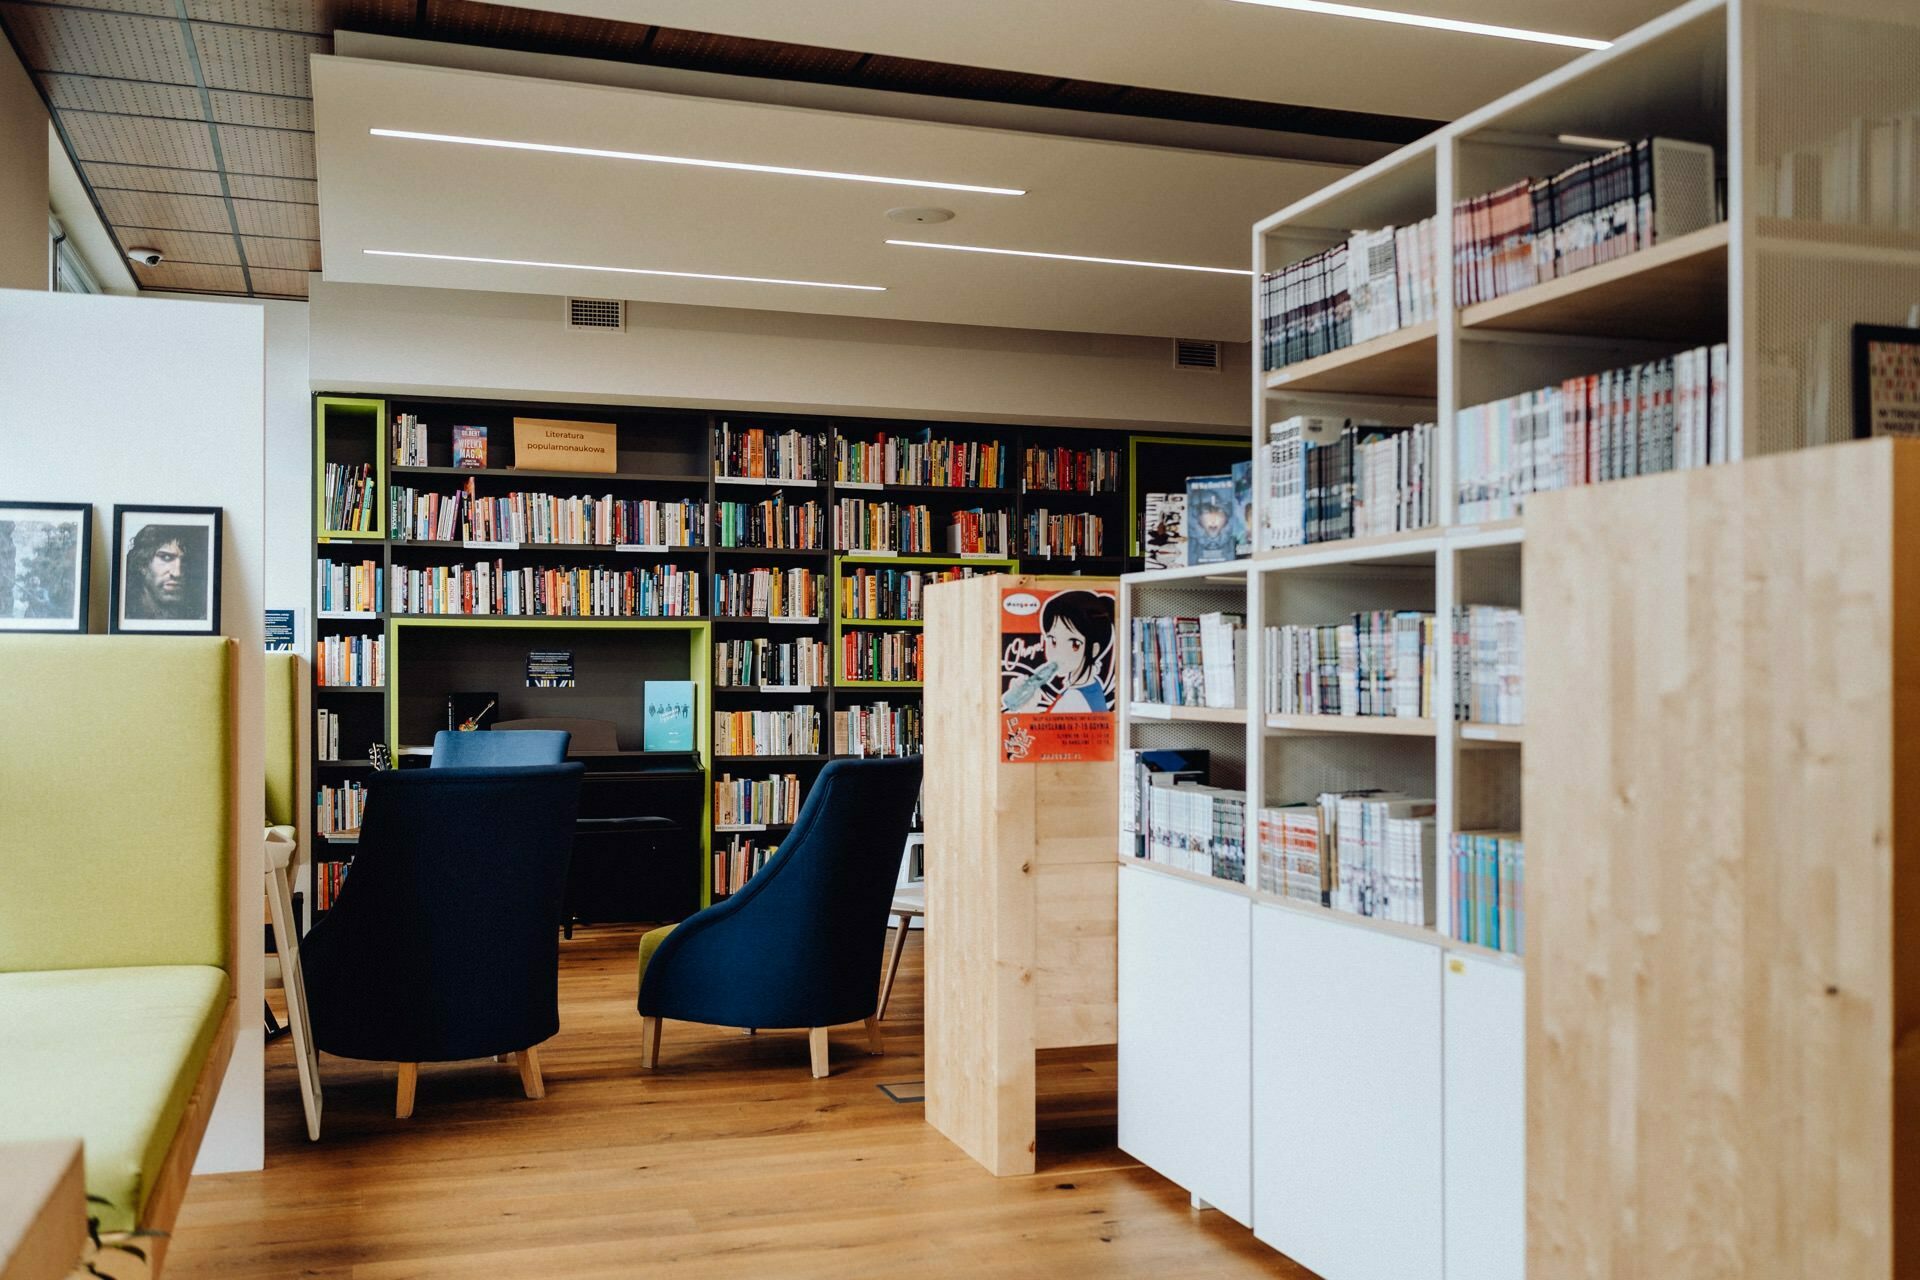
145 257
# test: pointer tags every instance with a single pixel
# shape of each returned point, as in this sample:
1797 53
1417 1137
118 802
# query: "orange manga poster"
1057 675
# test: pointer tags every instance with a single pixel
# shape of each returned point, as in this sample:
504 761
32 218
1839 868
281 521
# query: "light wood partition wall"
1020 951
1723 839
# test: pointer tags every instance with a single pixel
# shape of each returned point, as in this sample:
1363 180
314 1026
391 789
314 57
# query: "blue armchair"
444 944
486 749
799 945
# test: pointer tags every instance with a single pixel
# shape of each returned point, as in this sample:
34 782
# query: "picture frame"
46 566
166 571
1886 381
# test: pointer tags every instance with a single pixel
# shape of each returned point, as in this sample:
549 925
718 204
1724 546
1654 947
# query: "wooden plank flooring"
730 1160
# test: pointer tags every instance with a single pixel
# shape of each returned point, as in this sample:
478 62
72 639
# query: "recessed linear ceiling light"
1070 257
692 162
625 271
1438 24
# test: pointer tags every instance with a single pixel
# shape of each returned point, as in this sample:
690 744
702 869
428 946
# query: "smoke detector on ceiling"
921 215
604 315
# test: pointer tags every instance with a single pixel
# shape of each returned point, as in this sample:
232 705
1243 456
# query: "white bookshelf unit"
1386 1061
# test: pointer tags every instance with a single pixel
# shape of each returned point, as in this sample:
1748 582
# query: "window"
69 271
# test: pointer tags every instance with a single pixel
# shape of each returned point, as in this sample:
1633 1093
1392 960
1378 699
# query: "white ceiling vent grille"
602 314
1198 355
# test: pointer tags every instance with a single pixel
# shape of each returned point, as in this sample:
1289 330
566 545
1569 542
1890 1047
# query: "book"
1242 522
1489 659
1371 283
1379 663
1486 875
794 732
1163 531
470 447
1210 505
1189 662
668 720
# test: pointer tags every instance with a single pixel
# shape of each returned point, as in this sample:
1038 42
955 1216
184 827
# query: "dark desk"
622 873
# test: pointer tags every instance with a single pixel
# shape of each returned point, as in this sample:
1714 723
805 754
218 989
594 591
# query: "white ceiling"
1087 197
1214 47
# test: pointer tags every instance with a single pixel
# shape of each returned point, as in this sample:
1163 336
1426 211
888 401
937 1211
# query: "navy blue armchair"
799 944
444 944
485 748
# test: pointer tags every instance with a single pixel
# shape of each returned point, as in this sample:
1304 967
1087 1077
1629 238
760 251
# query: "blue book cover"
669 719
1242 509
1209 519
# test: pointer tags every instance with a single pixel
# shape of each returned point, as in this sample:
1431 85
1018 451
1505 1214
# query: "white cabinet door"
1184 1051
1346 1097
1486 1120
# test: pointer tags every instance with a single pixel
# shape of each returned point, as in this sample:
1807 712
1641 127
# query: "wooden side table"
908 901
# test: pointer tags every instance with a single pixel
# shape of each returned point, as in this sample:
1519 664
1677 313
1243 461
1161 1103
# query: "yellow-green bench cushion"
649 943
108 1056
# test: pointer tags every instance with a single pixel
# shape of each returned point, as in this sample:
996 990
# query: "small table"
43 1210
284 966
909 900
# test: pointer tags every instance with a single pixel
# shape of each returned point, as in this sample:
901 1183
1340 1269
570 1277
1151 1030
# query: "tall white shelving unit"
1352 1089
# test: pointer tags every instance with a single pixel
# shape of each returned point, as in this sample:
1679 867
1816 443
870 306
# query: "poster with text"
1057 674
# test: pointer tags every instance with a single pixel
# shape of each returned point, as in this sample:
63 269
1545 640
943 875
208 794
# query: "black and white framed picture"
1886 381
45 552
166 571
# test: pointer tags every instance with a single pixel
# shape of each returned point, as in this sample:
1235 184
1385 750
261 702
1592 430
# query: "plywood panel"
1720 1041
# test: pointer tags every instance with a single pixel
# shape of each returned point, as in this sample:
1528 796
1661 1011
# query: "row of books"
860 525
328 877
794 732
897 595
877 730
351 503
921 459
338 809
463 516
979 532
746 802
774 523
760 453
408 440
1602 208
1369 853
1195 827
1062 470
769 593
881 655
1211 523
1379 663
734 865
354 662
1066 536
489 588
326 734
351 588
1489 661
1329 479
1371 284
1189 662
760 661
1487 877
1662 415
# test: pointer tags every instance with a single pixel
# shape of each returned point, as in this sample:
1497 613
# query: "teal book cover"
669 721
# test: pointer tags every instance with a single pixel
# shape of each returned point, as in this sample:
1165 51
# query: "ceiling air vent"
1196 354
604 314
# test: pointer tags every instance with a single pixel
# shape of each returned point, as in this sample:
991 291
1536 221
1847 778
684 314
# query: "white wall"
128 400
387 339
24 263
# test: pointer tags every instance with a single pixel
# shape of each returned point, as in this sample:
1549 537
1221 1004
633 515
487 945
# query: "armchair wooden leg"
529 1061
649 1043
875 1045
817 1050
403 1095
893 964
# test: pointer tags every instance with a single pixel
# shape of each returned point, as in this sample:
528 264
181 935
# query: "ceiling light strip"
1437 24
1071 257
625 271
692 162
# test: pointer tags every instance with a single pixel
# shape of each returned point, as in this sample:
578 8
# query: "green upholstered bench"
119 828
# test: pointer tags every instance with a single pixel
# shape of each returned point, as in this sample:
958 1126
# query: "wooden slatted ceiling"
191 121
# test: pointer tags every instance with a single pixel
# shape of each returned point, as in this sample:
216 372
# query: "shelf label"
795 622
476 544
786 688
745 826
858 484
1151 711
981 555
643 546
872 552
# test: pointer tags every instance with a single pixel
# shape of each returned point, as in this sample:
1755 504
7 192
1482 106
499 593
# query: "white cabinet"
1347 1162
1486 1074
1184 1037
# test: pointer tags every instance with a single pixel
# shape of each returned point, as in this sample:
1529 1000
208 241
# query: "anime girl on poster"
1057 674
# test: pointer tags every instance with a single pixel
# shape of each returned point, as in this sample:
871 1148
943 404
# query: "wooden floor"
731 1160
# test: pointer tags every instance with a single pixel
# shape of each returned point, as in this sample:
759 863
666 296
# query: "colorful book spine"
488 588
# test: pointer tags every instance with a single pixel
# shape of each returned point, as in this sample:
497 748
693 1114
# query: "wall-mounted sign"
541 444
1057 674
